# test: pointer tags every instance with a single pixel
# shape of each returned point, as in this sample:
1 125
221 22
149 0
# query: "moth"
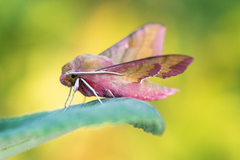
122 69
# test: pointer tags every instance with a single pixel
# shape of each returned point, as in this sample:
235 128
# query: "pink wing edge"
158 43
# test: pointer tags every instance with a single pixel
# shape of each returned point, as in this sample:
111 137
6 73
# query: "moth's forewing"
135 71
172 65
144 42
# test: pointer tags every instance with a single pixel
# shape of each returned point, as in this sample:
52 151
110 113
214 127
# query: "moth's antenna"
94 72
92 90
68 97
75 88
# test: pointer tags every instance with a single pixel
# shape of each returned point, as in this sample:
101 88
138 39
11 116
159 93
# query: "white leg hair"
68 97
75 88
110 93
91 90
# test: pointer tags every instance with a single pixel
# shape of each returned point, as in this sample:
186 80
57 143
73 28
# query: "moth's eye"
73 75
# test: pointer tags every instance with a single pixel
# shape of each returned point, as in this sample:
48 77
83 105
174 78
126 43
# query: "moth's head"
67 79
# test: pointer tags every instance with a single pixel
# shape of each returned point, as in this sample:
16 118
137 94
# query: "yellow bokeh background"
202 121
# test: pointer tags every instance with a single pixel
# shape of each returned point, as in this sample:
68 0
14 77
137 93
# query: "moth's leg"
110 93
92 90
68 97
75 88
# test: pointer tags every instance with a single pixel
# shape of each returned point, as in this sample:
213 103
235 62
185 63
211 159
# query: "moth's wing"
162 66
144 42
135 71
172 64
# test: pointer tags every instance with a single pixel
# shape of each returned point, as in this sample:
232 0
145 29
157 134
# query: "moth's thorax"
91 62
83 63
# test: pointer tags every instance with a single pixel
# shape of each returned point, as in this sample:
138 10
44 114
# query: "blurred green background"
202 121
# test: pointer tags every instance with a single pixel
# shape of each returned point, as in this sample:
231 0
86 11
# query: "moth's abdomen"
144 91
